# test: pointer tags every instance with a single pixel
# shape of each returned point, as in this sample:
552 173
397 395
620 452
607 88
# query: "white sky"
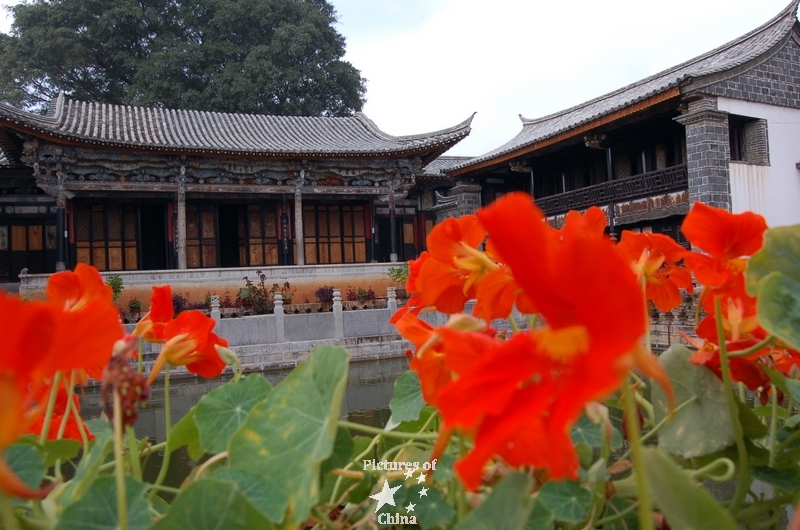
429 64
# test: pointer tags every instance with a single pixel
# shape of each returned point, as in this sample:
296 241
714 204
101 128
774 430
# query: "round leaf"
567 501
780 253
222 411
702 426
506 507
97 510
262 492
778 308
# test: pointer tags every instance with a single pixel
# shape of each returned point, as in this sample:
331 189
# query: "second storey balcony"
639 186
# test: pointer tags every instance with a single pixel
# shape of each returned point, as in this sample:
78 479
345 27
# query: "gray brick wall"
776 81
708 153
756 142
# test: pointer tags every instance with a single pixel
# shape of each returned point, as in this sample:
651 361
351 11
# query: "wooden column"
180 239
299 246
61 234
392 226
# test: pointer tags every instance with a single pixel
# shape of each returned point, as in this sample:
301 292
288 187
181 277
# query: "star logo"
421 478
422 493
385 496
410 507
409 472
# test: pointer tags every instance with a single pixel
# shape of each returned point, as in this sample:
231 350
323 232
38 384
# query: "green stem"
754 348
632 427
162 473
647 339
792 437
133 455
144 452
51 404
140 356
119 465
358 458
617 516
70 393
9 518
388 434
733 409
652 432
461 499
742 392
773 427
166 489
513 323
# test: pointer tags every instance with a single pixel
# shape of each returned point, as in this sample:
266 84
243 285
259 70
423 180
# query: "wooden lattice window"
201 236
258 235
334 233
106 236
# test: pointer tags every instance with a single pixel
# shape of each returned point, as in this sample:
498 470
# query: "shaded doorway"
153 237
228 219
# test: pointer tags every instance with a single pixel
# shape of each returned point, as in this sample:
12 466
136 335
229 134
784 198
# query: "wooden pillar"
299 245
180 240
392 227
61 233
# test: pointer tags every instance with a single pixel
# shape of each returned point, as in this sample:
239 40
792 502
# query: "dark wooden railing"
635 187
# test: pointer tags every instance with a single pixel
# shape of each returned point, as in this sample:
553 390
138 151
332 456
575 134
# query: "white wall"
772 191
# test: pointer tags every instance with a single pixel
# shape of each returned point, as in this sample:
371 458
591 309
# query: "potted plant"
135 307
324 296
287 293
399 275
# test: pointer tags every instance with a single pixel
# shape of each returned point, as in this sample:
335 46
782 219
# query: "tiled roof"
726 57
439 167
186 130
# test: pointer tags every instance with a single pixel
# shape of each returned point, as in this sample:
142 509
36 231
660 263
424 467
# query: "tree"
249 56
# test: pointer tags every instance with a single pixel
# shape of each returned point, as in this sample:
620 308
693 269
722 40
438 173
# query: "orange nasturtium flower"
152 325
190 343
447 274
653 258
727 238
520 397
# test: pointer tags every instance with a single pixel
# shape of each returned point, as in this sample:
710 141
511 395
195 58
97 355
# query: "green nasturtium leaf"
751 425
407 401
630 521
97 509
506 508
185 433
787 479
780 253
88 469
778 308
587 432
702 426
98 425
262 492
432 509
567 501
342 451
290 434
211 504
540 518
63 450
222 411
26 463
683 503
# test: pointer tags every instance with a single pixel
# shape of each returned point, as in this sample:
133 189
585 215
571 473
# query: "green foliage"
506 507
289 435
702 425
253 56
568 501
399 275
97 510
407 402
115 282
683 503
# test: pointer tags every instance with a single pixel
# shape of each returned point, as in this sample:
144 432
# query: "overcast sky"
430 64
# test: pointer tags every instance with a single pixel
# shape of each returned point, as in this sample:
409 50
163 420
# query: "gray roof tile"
726 57
185 130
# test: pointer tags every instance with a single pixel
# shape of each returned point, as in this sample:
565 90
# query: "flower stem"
136 466
51 404
9 518
773 427
162 473
632 428
754 348
733 409
119 464
388 434
140 356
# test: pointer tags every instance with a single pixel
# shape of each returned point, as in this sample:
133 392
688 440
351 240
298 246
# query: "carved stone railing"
635 187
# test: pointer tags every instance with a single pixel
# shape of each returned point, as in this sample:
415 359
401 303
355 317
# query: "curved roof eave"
178 131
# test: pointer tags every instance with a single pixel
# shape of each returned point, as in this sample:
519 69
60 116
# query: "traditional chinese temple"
129 188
